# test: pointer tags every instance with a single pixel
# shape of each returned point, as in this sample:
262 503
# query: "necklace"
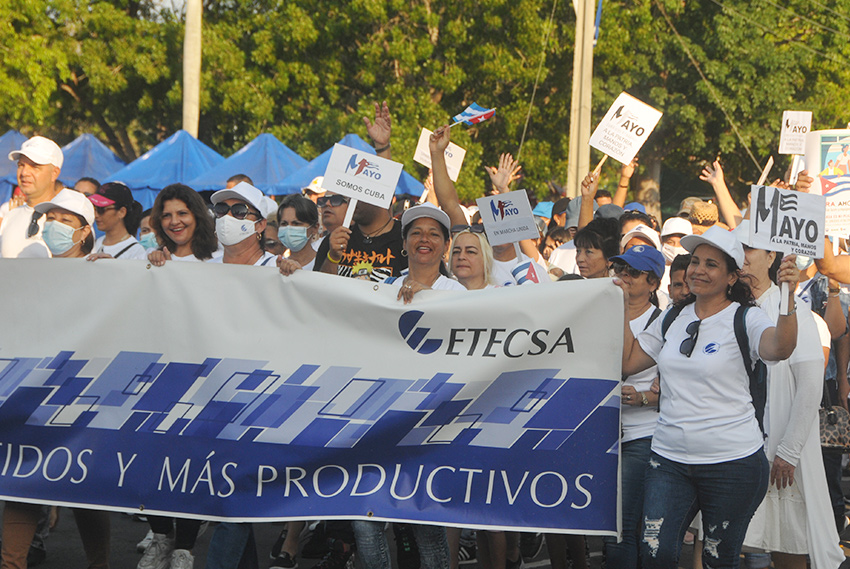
367 237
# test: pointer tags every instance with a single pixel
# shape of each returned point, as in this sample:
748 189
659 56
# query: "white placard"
828 162
507 217
454 154
787 221
626 126
795 126
362 176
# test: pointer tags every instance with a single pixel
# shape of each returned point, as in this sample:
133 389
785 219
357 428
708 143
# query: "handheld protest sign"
361 176
454 154
765 171
828 162
624 129
795 127
507 218
789 222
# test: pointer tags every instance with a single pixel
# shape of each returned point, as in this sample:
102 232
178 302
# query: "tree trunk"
649 189
192 68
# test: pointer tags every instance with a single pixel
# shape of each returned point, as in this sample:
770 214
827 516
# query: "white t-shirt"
14 242
502 275
442 283
267 260
134 249
564 257
639 422
706 412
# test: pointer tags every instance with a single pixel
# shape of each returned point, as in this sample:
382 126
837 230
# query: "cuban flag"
525 272
474 114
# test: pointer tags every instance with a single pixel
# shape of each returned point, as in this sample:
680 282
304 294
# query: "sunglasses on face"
335 201
688 344
100 210
472 228
237 210
624 268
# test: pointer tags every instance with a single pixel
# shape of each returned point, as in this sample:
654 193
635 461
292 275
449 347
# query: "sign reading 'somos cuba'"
361 175
507 217
626 126
787 221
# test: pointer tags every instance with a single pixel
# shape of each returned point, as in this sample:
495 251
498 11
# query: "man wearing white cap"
39 163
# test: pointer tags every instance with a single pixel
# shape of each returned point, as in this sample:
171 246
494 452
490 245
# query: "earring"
404 252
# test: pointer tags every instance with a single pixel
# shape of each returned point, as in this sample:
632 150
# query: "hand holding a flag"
506 174
380 130
804 182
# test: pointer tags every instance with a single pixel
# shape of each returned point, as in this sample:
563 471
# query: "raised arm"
444 188
588 192
503 176
713 174
380 130
623 185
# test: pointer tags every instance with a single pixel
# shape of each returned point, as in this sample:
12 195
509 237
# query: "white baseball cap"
41 151
247 193
641 230
717 237
677 226
73 201
315 186
425 210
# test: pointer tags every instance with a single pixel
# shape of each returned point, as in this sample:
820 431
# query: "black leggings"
185 534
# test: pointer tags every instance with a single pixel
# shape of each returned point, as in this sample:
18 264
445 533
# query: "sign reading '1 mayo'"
787 221
454 154
795 127
626 126
362 176
507 217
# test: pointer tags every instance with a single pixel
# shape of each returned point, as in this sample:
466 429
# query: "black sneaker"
35 556
467 554
317 546
278 545
338 556
284 561
407 552
530 545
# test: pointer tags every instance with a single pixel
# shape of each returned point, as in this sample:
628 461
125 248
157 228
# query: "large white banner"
231 392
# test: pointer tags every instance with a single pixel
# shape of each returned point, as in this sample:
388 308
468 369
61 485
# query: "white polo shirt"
14 242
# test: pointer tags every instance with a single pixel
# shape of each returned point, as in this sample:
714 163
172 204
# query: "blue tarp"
293 183
178 159
87 156
10 141
266 160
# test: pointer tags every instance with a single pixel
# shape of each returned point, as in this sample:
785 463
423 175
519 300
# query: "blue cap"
609 211
643 258
543 209
635 206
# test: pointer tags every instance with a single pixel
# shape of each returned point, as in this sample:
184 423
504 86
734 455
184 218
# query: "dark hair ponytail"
133 218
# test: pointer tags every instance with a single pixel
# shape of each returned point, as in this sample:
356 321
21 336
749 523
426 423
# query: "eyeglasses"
33 227
473 228
688 344
101 210
620 268
335 200
238 210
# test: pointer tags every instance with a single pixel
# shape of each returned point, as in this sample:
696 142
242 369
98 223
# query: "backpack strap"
758 372
655 314
124 250
671 315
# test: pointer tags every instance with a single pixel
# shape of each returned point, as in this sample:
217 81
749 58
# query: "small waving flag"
525 272
474 114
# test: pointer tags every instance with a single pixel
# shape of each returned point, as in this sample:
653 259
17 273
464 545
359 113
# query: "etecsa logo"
415 337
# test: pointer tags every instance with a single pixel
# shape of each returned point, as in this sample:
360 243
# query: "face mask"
670 252
231 231
804 262
148 241
293 238
58 236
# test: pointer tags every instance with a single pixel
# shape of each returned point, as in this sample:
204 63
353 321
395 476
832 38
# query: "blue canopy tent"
10 141
178 159
266 160
87 156
293 183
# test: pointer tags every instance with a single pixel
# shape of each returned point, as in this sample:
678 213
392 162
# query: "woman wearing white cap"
795 519
240 214
708 446
68 234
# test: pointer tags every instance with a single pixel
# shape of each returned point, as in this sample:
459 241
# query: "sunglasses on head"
237 210
621 268
472 228
688 344
335 201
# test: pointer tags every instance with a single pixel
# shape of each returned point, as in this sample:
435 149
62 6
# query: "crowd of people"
720 387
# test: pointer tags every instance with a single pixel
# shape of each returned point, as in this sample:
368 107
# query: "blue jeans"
232 546
374 552
726 493
634 458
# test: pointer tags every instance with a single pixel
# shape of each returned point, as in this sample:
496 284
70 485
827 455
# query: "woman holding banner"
708 447
182 223
795 518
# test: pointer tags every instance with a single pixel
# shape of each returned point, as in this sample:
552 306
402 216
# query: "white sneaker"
143 545
181 559
158 553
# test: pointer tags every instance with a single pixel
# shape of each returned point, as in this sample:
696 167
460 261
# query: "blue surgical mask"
293 238
148 240
58 236
804 262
